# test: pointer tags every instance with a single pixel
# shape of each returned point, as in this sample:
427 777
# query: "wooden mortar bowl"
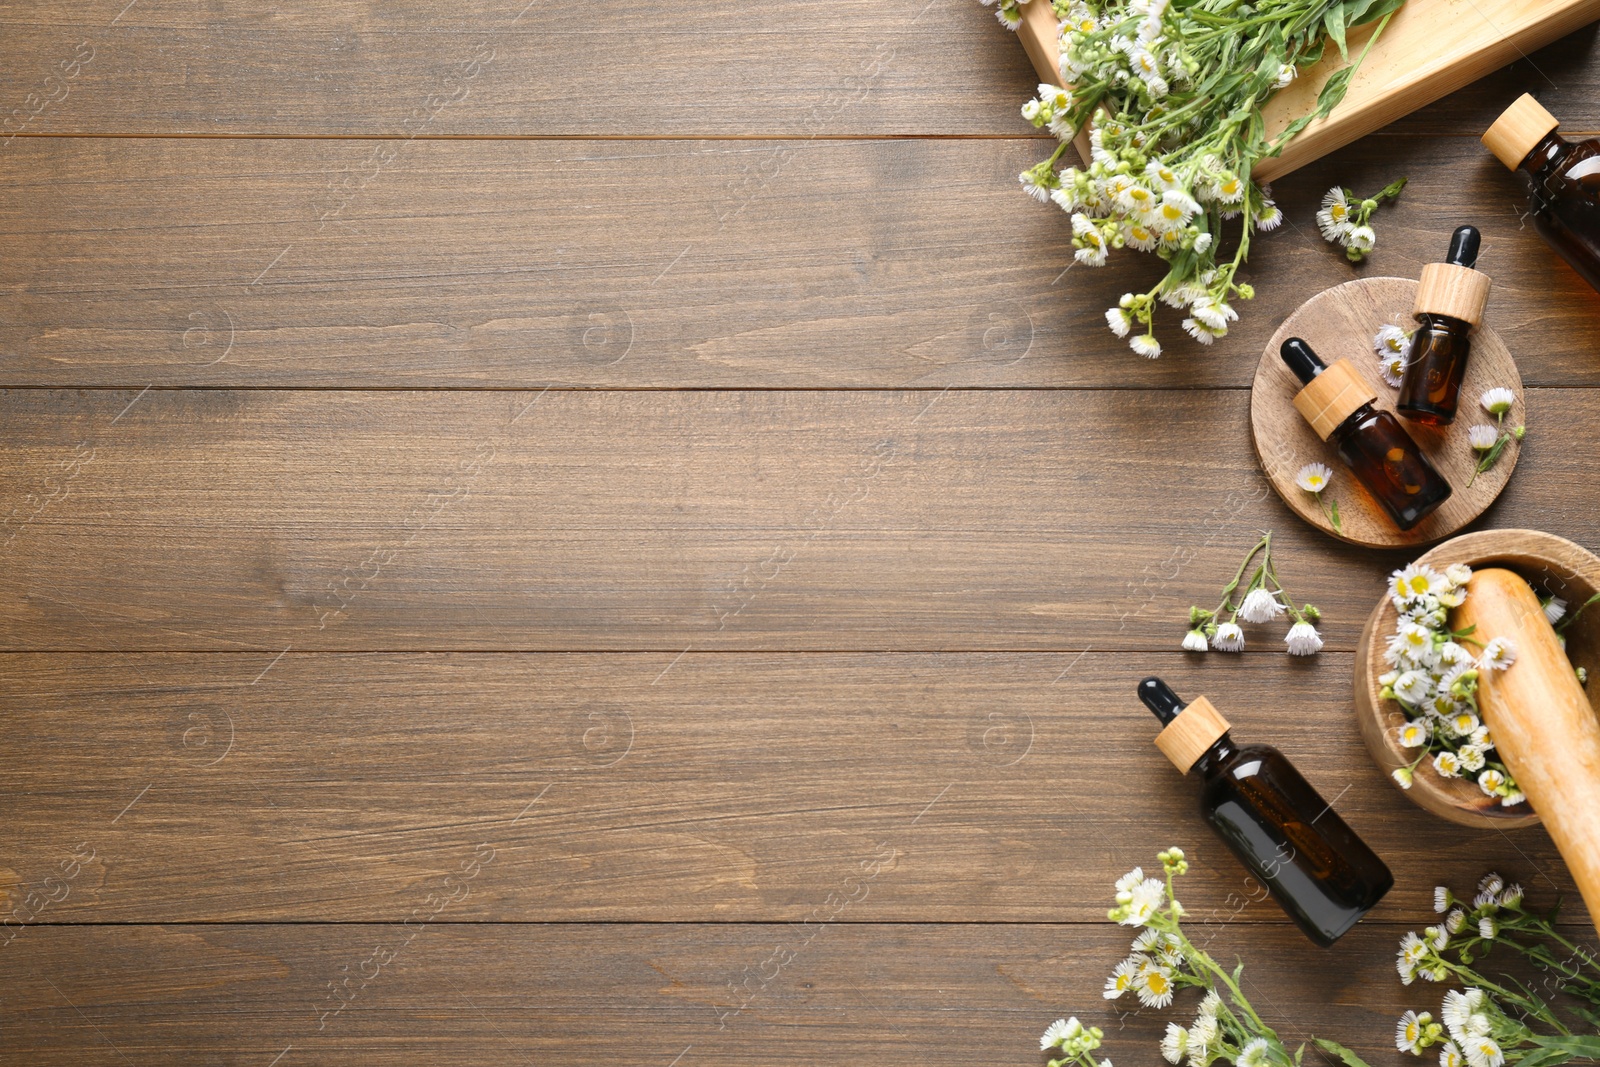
1549 563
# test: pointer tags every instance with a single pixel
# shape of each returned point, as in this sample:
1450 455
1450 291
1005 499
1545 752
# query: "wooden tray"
1430 48
1340 322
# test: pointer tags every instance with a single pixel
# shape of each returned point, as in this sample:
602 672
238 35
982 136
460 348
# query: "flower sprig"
1433 676
1490 441
1258 598
1346 219
1162 962
1491 1022
1174 91
1313 478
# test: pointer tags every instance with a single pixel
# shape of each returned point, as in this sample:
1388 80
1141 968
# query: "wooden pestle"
1539 716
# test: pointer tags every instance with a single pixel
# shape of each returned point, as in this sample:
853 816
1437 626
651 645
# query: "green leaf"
1333 90
1335 26
1584 1045
1299 1054
1333 516
1350 1059
1361 12
1545 1057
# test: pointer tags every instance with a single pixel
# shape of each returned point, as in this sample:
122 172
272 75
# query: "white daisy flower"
1554 609
1437 937
1412 948
1127 882
1498 654
1286 74
1482 437
1195 641
1391 340
1260 605
1497 401
1162 177
1122 979
1472 758
1463 723
1177 207
1256 1053
1139 236
1202 242
1393 369
1491 782
1488 928
1146 345
1361 238
1413 582
1408 1031
1228 638
1403 777
1120 321
1413 687
1313 477
1448 764
1484 1051
1143 901
1093 251
1457 1008
1156 987
1511 799
1303 640
1059 1031
1269 218
1334 218
1456 921
1201 332
1441 898
1413 734
1450 1055
1175 1043
1511 897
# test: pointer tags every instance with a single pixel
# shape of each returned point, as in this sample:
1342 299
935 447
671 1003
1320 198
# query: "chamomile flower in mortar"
1462 724
1313 477
1554 609
1228 638
1413 582
1448 764
1412 734
1498 654
1491 782
1482 437
1472 758
1413 686
1497 401
1303 640
1260 606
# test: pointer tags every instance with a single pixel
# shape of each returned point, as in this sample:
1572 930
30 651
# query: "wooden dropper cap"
1190 728
1331 394
1518 129
1453 288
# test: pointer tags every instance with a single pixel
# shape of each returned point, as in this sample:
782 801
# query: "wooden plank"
500 264
1429 48
510 68
196 520
337 787
488 995
397 69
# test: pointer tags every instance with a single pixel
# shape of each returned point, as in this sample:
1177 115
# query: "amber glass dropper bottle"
1280 828
1338 403
1450 300
1562 179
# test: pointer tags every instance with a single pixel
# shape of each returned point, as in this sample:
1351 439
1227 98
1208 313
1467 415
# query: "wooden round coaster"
1341 322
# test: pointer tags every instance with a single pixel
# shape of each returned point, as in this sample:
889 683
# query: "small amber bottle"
1450 299
1338 403
1562 179
1313 864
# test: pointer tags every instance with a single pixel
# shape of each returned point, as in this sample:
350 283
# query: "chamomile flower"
1360 239
1413 687
1498 654
1270 217
1146 345
1448 764
1511 798
1228 638
1303 639
1143 901
1488 929
1313 477
1120 321
1413 734
1286 74
1462 723
1497 401
1483 1051
1260 605
1511 896
1195 641
1156 987
1334 217
1059 1031
1554 609
1409 1030
1441 898
1200 331
1393 369
1472 758
1450 1055
1175 1043
1482 437
1404 777
1256 1053
1123 977
1491 782
1391 340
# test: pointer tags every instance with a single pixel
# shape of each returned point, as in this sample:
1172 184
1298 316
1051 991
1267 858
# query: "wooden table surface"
611 534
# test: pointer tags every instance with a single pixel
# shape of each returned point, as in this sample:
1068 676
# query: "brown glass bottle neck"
1221 750
1354 419
1545 158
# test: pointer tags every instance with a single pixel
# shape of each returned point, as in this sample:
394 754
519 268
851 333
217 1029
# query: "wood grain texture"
1339 324
1012 787
638 521
762 265
364 67
489 995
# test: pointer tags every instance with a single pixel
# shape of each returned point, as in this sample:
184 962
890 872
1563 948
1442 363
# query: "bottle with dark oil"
1562 179
1280 828
1450 300
1338 403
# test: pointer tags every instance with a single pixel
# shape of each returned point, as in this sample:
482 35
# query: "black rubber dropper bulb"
1463 247
1160 699
1305 363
